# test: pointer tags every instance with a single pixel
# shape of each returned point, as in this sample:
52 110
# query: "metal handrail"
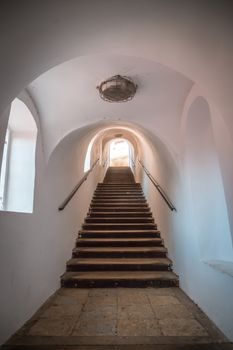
105 162
158 187
75 189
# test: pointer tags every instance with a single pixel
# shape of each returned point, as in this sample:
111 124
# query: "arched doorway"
119 152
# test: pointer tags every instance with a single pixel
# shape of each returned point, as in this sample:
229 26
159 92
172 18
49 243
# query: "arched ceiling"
113 134
102 131
191 37
67 98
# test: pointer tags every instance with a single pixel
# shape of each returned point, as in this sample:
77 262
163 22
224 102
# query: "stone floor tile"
182 327
163 300
68 300
140 311
119 312
100 312
138 327
89 326
59 311
171 311
160 291
52 327
134 297
74 292
103 292
101 301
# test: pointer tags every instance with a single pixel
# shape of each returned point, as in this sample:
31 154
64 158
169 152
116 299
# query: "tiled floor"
163 314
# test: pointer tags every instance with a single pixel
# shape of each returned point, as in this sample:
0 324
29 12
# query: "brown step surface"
119 226
118 191
117 196
100 264
124 209
120 279
119 219
119 204
118 187
118 242
119 233
120 199
104 214
113 252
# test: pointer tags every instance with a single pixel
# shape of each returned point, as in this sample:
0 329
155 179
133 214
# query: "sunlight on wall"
87 162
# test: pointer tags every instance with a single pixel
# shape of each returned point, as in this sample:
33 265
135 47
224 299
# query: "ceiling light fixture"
117 89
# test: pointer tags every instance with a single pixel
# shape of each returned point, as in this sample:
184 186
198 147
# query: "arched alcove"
18 163
207 198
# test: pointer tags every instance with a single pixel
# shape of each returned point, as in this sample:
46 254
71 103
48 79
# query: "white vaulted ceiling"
139 38
67 98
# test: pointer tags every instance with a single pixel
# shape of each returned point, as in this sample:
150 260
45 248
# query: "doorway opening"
119 154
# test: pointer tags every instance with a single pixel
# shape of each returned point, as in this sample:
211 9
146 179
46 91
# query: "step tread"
116 209
122 213
111 240
119 244
121 224
120 275
119 261
119 231
120 217
121 249
112 199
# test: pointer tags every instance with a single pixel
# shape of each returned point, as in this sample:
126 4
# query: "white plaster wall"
194 38
199 231
35 247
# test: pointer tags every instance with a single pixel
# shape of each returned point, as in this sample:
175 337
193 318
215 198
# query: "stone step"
118 191
96 209
119 279
119 226
119 233
118 200
119 252
118 242
118 219
117 186
119 264
127 214
118 196
119 204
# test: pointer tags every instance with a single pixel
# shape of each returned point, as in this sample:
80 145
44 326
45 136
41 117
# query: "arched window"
18 162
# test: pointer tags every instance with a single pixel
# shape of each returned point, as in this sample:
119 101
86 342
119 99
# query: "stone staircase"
119 243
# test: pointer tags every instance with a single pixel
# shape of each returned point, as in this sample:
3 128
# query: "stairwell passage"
119 243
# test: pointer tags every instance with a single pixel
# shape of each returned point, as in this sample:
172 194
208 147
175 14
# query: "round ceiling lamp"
117 89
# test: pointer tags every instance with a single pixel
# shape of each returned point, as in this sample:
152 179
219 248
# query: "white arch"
207 198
